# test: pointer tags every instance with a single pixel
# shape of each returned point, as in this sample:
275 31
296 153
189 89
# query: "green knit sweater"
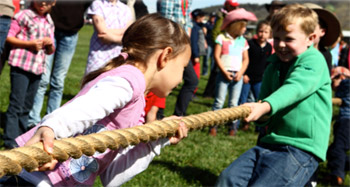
301 106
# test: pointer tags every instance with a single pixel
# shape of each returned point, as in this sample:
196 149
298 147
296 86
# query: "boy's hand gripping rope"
33 156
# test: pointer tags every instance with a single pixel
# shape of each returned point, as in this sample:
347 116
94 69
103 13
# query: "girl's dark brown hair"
144 37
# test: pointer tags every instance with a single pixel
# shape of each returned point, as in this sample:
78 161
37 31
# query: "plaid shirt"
172 9
26 26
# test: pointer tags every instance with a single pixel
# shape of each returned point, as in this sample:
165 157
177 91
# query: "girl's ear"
164 57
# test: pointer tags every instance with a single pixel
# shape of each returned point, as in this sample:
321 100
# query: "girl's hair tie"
124 55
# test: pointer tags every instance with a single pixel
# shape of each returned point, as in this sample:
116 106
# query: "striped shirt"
27 26
172 9
116 17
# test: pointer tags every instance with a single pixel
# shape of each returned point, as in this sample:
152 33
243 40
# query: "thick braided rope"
30 157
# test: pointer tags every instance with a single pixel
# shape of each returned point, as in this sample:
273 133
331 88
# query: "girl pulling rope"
155 52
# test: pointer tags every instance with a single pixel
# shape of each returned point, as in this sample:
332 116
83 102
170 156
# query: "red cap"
233 3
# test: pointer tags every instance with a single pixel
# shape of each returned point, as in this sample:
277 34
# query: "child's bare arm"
217 54
105 34
32 45
245 62
152 114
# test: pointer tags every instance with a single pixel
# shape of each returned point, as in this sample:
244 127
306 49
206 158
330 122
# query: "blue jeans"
5 23
57 66
338 160
270 165
23 89
246 88
223 87
206 58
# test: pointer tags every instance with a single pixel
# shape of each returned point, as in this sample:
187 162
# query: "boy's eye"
289 39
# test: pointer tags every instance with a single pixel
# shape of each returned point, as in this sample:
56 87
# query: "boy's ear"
311 38
164 58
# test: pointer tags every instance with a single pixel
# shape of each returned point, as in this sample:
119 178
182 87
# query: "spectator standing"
6 13
31 37
231 57
327 32
344 59
68 17
110 18
229 5
337 158
273 8
258 52
179 11
210 44
198 43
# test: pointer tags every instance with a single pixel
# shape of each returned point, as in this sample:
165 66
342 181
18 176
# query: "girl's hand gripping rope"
47 136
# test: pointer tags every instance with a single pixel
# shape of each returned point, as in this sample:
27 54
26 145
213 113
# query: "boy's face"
264 33
289 44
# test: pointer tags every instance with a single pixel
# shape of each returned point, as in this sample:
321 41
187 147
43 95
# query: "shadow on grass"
190 173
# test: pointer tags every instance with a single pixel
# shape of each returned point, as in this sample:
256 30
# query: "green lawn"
196 161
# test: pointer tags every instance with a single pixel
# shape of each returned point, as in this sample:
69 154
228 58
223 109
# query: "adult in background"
273 7
6 13
68 17
210 49
179 11
138 8
229 5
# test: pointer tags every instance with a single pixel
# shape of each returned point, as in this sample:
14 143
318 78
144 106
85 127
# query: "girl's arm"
84 111
105 34
245 62
32 45
217 54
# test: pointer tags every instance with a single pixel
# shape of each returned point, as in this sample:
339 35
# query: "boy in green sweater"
296 95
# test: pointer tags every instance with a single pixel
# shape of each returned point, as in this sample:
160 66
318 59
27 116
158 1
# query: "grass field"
196 161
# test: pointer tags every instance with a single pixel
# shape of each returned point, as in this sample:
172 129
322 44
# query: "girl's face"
43 6
170 76
237 28
264 33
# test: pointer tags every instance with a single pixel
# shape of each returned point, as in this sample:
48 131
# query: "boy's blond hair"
292 13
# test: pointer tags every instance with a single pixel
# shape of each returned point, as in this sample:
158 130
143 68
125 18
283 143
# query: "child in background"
198 43
231 56
154 107
110 18
296 94
31 38
156 51
338 160
258 52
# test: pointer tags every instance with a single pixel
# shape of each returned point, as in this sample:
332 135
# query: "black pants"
210 87
338 160
186 93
